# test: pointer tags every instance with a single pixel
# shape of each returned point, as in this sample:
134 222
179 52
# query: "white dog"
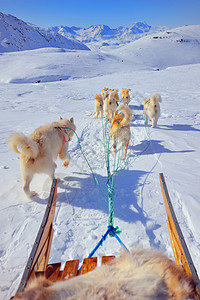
39 151
125 96
152 108
98 105
105 93
120 128
139 275
110 105
116 95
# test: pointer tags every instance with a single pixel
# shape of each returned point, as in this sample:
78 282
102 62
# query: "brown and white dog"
138 275
152 108
125 96
120 128
98 105
110 105
39 151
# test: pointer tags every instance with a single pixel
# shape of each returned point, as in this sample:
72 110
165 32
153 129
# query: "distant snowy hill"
16 35
103 32
178 46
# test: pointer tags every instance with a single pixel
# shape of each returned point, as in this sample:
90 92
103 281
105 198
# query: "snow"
16 35
69 80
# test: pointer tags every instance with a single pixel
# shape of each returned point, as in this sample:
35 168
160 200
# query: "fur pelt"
139 275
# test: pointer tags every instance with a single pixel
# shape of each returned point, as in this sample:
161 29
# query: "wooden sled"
37 264
180 249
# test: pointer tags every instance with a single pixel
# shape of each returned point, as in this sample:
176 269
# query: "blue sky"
114 13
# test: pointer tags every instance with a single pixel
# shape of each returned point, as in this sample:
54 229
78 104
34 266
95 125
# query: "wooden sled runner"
37 264
180 249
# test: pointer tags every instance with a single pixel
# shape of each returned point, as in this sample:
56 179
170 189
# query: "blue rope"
110 230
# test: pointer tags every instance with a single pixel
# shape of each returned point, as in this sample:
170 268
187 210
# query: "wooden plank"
180 249
52 271
43 238
70 269
89 264
106 259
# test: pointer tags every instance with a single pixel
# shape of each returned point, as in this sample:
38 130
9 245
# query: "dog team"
108 102
40 150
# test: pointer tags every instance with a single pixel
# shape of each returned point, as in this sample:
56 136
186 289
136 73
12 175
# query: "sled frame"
37 264
181 253
40 252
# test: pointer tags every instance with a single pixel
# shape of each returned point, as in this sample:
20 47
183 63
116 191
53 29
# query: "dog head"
105 93
69 124
114 95
125 93
98 98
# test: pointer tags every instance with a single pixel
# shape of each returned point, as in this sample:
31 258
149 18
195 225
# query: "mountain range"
102 32
17 35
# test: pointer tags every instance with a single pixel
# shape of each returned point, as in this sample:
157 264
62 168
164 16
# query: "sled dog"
98 105
110 105
138 275
125 96
152 109
39 151
105 93
116 96
120 128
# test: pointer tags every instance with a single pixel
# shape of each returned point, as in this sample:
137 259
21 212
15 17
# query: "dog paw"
66 164
32 194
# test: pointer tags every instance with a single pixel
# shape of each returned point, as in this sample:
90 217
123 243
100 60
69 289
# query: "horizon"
112 13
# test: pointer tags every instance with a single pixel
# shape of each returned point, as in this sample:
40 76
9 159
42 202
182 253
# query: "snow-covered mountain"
103 32
16 35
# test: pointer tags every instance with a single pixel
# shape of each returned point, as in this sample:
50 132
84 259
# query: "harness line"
112 231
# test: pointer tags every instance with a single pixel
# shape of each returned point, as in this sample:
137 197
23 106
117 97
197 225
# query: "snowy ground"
82 213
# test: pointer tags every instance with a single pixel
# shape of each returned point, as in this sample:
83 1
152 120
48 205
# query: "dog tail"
156 97
27 146
128 115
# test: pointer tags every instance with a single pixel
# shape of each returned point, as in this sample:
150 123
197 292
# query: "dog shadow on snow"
179 127
146 147
84 193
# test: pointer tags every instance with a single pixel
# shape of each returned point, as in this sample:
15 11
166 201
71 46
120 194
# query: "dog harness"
63 138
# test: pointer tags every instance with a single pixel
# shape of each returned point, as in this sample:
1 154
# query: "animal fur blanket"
139 275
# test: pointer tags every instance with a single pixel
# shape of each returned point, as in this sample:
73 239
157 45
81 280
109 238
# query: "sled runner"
37 264
179 247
